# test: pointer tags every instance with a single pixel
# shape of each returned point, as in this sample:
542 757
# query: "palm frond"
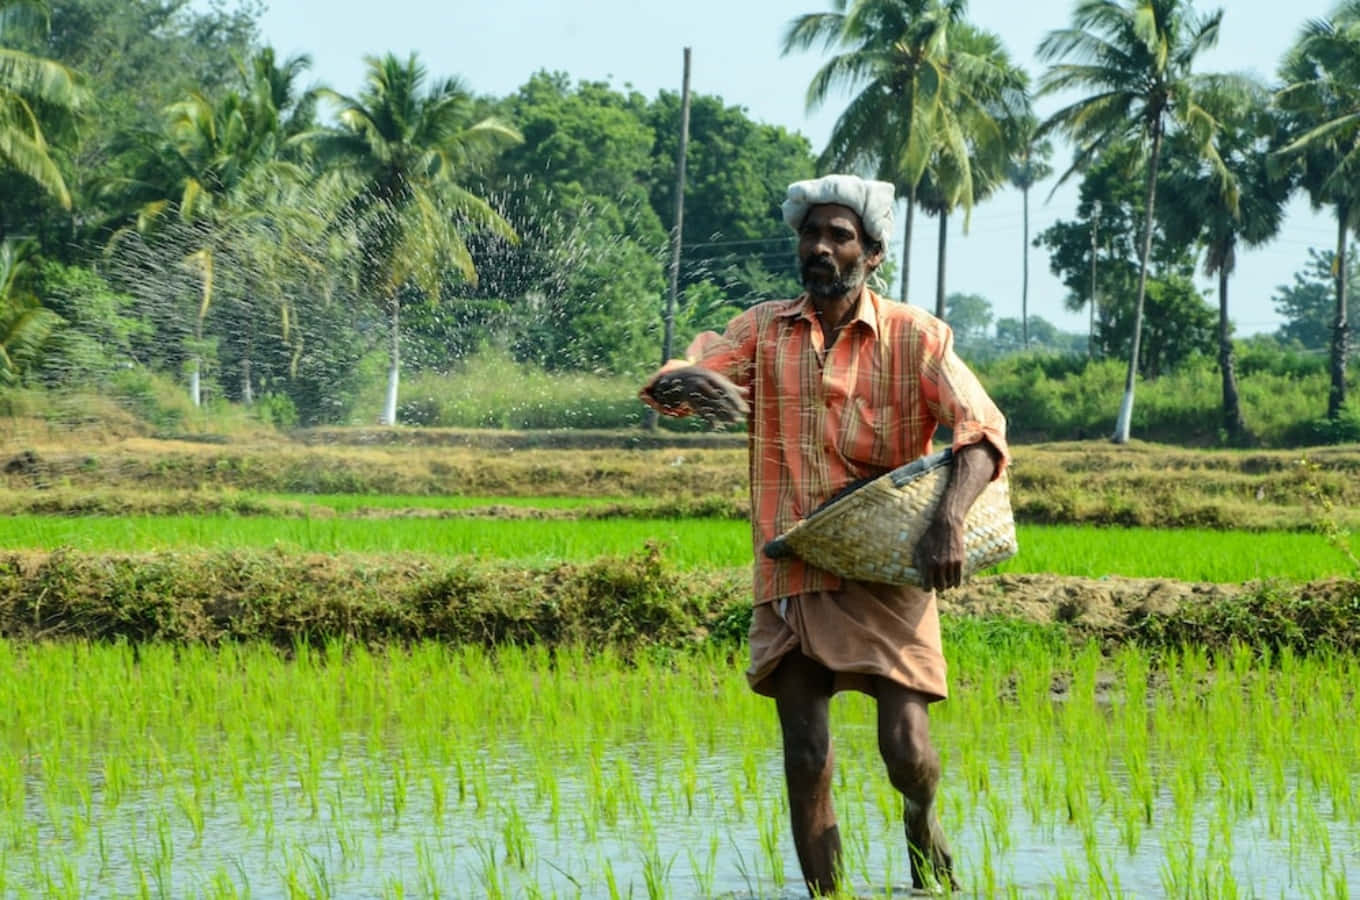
29 157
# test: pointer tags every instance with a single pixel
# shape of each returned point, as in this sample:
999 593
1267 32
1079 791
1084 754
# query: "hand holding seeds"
707 394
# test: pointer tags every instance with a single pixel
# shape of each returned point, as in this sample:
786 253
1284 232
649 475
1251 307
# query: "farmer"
837 385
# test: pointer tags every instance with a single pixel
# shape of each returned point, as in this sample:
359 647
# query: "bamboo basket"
869 531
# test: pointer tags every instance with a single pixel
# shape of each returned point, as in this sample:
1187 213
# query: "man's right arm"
712 380
694 389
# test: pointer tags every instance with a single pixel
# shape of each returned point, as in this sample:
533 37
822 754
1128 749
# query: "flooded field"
339 771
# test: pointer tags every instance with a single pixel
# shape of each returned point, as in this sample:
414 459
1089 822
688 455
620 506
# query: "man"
838 385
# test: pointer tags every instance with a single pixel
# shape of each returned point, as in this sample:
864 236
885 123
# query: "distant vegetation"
185 217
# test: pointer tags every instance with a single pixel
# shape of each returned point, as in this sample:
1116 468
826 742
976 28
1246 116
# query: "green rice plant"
1027 710
1188 554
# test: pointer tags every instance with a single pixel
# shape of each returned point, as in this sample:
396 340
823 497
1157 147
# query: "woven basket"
869 532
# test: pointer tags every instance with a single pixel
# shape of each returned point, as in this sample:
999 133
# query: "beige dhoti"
857 631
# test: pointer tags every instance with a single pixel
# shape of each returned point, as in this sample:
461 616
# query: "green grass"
343 503
1190 555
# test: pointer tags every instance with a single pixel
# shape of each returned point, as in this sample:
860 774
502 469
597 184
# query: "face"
834 255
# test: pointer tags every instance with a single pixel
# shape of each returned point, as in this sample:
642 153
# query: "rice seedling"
1185 554
344 770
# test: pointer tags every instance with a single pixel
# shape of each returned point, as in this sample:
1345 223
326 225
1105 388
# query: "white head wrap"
873 200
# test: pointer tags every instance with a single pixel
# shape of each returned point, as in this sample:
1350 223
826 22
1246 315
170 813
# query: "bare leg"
802 692
914 769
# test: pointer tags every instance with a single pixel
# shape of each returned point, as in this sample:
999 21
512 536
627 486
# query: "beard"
843 281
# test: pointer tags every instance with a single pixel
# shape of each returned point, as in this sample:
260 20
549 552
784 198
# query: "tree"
1014 336
1028 166
970 315
24 323
1135 58
206 171
907 111
993 106
1321 100
1309 304
1218 213
33 89
736 172
404 150
1110 194
578 192
135 58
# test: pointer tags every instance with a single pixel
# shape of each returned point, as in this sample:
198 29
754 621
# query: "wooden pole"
677 231
1091 334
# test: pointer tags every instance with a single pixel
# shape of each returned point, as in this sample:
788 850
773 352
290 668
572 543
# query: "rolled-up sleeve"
730 354
957 399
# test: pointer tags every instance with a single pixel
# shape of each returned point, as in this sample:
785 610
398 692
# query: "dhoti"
858 631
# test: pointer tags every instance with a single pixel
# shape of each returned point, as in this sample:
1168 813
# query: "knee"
807 759
912 761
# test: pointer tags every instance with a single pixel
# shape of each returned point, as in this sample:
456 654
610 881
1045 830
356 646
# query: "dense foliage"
179 204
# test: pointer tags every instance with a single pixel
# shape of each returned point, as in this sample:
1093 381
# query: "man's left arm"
940 553
957 399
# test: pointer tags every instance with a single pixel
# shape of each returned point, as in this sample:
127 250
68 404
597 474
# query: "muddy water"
365 821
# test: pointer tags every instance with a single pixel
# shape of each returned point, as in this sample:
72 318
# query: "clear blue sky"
495 46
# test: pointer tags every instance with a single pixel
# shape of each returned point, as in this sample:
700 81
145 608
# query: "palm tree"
897 54
24 322
1135 58
206 172
1220 213
1321 100
991 103
1028 166
404 150
31 87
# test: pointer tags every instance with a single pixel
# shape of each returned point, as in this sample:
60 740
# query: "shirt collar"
866 310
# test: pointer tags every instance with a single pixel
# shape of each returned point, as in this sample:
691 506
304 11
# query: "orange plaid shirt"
821 420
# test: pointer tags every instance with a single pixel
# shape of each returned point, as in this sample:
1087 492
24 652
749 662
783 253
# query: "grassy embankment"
496 495
699 475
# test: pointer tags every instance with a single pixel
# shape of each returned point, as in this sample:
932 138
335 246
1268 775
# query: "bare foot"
931 861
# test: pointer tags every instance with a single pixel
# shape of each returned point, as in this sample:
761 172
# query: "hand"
709 395
940 554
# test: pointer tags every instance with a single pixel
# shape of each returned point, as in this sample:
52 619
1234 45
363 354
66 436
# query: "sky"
495 46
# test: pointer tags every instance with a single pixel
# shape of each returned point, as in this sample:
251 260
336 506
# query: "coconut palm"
199 181
1321 101
1246 208
991 103
30 89
897 54
1134 59
1028 166
24 322
404 150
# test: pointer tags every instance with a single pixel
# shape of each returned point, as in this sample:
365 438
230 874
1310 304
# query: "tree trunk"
1232 405
195 380
247 389
1336 398
1024 274
389 415
906 241
1121 427
939 272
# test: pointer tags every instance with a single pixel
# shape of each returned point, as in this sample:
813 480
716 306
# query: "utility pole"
1091 334
677 232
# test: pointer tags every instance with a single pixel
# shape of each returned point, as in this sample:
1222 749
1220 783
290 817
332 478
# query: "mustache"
820 265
